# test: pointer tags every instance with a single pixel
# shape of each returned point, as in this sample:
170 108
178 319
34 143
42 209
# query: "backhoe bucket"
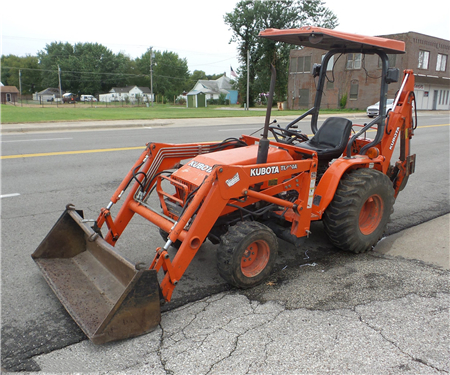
103 292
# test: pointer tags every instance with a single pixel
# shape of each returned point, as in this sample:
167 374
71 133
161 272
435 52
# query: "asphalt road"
84 168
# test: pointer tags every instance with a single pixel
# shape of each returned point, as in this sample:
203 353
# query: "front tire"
247 254
357 216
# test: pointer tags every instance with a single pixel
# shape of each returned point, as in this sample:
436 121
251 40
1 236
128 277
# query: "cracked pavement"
368 313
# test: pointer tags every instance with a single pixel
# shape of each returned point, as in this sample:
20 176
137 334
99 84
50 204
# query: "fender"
329 182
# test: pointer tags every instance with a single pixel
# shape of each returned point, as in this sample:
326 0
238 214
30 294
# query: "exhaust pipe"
107 296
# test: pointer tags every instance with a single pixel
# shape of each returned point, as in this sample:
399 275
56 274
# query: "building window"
441 63
300 64
293 65
443 97
354 87
392 61
424 57
304 64
354 61
330 63
303 98
330 85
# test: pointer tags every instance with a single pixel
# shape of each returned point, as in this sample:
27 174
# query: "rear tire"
247 254
357 216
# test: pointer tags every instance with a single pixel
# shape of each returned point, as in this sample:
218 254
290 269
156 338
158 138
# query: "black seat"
330 140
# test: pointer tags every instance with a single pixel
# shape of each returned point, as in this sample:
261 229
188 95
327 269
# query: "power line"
96 73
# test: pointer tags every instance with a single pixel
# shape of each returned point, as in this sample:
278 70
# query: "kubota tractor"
240 194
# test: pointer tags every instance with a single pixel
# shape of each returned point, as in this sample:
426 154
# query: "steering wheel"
287 136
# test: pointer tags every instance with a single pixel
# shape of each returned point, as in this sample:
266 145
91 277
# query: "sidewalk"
118 124
383 312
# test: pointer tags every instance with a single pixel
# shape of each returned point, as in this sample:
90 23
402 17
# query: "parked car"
88 98
68 97
373 110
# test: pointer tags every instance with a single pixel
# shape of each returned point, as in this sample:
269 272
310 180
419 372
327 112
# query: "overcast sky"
194 29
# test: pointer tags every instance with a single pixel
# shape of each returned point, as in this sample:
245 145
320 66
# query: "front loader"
240 194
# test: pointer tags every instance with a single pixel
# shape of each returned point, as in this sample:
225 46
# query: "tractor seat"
330 139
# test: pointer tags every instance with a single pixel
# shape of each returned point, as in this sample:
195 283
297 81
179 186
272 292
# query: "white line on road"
35 140
9 195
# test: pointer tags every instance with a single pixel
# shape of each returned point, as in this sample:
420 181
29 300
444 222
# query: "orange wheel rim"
371 214
255 258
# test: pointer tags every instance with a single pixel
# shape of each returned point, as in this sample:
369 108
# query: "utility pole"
20 82
248 78
151 73
20 85
59 80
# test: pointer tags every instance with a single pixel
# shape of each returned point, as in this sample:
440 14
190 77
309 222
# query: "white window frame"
441 62
305 64
424 58
353 61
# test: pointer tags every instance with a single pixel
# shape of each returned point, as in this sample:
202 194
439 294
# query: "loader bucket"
103 292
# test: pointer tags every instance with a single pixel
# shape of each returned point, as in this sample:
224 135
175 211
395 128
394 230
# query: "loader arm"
156 158
222 186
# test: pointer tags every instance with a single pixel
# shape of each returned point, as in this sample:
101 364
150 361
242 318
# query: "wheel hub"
255 258
371 214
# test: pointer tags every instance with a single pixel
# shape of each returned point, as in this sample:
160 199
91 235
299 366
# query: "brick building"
356 76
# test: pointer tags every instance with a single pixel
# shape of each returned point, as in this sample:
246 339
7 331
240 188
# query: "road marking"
35 140
70 152
9 195
432 126
130 148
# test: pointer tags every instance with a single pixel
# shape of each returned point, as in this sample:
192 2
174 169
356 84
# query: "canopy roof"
326 39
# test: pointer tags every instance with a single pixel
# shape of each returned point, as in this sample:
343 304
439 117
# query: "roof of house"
196 92
9 89
49 91
127 89
218 86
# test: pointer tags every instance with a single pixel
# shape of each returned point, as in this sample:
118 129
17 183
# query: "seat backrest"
333 133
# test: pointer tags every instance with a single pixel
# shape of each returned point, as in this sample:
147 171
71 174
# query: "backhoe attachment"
108 297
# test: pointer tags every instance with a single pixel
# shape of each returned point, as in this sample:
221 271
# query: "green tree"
86 68
29 68
170 73
54 55
196 76
249 18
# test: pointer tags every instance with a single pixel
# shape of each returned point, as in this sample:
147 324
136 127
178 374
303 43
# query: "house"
128 93
48 95
9 94
356 76
205 90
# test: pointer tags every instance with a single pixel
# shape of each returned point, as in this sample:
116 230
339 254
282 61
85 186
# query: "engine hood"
201 166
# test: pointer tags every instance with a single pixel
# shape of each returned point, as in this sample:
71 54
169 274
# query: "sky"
193 29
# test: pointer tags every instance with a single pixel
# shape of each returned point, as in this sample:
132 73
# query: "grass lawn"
79 112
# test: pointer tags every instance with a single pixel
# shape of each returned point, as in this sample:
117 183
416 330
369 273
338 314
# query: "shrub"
343 101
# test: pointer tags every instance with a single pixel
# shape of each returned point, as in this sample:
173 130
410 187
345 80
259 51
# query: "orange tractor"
240 194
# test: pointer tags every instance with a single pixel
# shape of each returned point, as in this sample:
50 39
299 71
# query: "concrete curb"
124 124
